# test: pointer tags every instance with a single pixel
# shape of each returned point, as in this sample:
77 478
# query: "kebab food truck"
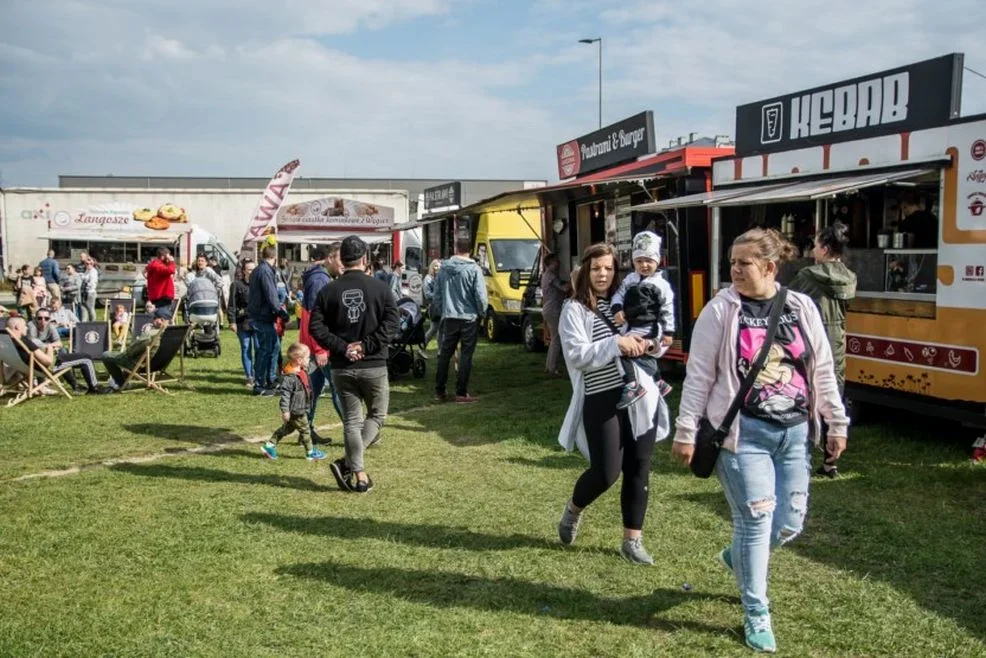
888 155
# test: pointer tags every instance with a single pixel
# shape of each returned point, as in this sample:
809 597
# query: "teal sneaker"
759 633
315 455
269 450
726 558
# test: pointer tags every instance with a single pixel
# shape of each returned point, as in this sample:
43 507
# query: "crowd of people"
768 380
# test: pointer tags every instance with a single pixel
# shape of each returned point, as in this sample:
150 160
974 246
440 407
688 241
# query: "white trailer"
27 213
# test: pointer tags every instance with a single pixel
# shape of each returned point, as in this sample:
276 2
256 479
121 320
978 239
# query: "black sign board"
912 97
443 196
623 141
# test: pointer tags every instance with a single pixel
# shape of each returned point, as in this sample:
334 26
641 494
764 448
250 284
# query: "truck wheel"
493 328
532 342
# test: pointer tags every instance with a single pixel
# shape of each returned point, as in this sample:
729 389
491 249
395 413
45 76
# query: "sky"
449 89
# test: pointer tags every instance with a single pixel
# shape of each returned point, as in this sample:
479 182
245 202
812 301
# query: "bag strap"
775 315
607 321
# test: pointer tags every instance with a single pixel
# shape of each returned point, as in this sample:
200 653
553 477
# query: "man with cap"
116 362
355 318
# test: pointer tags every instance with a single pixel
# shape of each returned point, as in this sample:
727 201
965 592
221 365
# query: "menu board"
624 232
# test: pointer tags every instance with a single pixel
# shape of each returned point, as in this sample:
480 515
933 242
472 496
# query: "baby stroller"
406 354
202 309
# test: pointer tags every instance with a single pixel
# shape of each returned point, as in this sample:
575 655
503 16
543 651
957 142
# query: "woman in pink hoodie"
765 463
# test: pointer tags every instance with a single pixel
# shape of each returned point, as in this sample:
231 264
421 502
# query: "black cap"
351 250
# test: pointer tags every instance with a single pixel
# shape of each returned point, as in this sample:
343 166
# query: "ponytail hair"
771 246
835 239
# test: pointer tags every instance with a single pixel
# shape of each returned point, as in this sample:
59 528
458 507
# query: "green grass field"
220 553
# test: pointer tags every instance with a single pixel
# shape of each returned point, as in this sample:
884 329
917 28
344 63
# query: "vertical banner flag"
270 202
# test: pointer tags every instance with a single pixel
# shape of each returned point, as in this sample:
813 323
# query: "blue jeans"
319 378
268 347
248 351
766 484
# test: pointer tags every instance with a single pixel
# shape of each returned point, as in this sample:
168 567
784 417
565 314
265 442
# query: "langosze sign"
623 141
443 196
912 97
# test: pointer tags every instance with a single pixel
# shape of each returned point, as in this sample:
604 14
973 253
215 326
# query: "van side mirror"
224 264
515 279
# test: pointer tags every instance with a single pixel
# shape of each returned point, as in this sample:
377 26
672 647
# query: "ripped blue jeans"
766 484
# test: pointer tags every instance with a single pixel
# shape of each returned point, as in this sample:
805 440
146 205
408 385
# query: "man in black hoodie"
355 318
263 309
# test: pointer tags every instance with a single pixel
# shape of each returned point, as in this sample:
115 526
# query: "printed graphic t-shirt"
780 392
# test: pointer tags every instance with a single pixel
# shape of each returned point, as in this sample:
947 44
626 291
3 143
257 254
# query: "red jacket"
160 280
305 337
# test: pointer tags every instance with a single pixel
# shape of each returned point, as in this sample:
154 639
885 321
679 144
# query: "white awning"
818 189
325 237
701 199
164 237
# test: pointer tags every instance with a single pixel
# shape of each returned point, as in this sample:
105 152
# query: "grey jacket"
460 291
296 398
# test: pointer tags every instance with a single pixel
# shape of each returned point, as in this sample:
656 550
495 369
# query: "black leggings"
612 449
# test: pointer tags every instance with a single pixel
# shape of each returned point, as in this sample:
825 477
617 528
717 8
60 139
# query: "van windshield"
514 254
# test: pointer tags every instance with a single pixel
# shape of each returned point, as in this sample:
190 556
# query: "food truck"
505 233
120 234
889 155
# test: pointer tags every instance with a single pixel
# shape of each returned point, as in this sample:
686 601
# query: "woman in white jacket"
614 440
765 462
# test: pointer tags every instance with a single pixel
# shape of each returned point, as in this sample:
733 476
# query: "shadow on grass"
213 475
191 433
455 590
913 526
564 462
429 536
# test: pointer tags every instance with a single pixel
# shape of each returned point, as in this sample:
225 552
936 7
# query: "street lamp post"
598 40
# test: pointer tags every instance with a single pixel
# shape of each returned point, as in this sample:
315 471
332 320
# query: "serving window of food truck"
893 224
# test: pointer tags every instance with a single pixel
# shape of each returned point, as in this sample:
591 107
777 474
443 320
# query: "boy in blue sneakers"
296 399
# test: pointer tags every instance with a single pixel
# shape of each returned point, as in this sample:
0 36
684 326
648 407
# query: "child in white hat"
645 303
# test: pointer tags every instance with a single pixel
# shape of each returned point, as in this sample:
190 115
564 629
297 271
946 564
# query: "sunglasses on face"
43 318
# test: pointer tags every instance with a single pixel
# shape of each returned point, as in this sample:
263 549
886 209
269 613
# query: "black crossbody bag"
709 439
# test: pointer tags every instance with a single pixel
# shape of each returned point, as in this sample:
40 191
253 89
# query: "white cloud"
206 87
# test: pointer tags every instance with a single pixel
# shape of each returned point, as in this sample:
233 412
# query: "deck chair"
23 380
141 321
91 339
109 305
151 369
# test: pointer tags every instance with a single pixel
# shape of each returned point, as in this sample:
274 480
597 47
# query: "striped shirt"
608 376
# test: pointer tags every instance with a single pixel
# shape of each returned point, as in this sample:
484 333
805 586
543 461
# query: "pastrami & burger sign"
623 141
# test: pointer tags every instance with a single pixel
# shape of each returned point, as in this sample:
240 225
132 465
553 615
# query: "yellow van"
506 234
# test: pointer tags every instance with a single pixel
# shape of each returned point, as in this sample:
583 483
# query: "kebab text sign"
334 213
913 97
623 141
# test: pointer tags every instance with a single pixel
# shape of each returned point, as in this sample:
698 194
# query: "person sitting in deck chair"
117 362
46 356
